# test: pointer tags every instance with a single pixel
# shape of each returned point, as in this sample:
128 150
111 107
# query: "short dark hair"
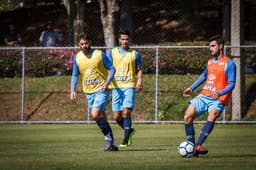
124 32
82 35
217 38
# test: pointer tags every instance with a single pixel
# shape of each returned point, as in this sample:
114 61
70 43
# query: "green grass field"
80 146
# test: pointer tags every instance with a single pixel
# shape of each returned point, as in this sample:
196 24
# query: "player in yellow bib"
127 79
96 72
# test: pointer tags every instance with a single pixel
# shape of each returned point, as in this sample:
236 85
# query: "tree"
70 6
110 17
108 9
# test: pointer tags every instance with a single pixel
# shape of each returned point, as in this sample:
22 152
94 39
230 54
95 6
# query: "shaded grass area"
48 99
154 147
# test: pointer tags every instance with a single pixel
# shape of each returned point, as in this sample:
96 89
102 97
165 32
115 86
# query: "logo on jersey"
89 72
122 78
209 87
211 77
92 82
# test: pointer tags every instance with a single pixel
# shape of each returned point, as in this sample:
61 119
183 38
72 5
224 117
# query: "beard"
215 54
85 50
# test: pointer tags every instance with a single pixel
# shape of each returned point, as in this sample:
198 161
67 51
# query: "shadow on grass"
229 156
39 105
141 150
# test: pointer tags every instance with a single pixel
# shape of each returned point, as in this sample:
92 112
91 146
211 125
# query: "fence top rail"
104 47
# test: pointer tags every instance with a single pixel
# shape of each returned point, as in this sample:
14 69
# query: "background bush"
48 62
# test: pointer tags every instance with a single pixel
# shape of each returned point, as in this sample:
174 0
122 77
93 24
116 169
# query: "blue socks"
105 127
190 132
121 123
127 123
206 130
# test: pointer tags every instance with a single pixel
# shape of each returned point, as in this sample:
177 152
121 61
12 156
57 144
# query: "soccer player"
96 72
220 78
127 80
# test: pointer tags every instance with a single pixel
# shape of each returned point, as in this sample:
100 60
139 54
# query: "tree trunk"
108 9
70 6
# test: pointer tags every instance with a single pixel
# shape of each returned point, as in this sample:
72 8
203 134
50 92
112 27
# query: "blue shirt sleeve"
75 74
108 64
110 56
231 76
138 60
200 79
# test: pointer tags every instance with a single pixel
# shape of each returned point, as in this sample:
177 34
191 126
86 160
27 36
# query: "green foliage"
174 60
39 63
10 63
181 60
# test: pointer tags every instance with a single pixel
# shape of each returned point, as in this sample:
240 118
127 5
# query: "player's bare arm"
73 95
139 84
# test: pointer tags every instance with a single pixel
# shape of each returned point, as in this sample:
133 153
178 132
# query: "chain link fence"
35 84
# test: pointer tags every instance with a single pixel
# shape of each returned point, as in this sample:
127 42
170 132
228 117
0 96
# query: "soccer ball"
186 149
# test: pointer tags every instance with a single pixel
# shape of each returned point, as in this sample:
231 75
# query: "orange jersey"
216 79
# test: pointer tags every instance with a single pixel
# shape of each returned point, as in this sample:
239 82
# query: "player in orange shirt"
219 77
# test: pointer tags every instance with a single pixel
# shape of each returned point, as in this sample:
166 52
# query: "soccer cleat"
131 134
199 149
109 146
123 145
129 141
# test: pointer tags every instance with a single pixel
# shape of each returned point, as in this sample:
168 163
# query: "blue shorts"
122 98
203 103
98 99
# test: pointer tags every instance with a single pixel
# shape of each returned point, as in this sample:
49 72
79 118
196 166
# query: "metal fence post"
23 85
156 84
224 111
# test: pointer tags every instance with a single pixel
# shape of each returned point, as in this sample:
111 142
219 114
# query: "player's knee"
94 117
96 114
126 113
213 116
116 116
189 115
188 119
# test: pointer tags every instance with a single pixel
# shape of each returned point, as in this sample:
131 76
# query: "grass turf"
154 147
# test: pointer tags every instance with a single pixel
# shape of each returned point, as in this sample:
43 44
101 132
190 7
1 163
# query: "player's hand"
104 86
139 86
187 92
215 95
72 95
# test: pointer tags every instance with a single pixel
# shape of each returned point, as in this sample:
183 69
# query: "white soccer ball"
186 149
